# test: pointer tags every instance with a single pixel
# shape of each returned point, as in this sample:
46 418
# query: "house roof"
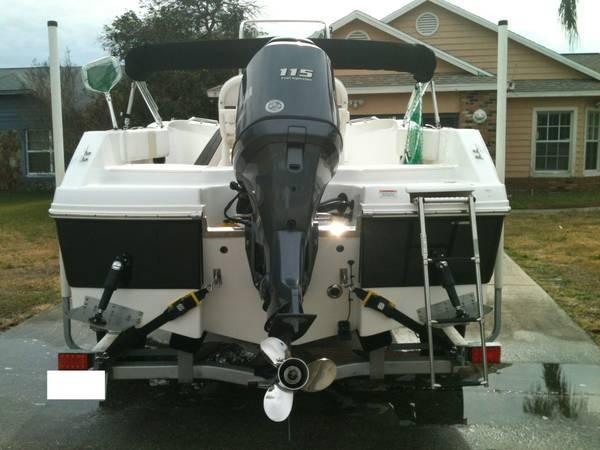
492 26
554 88
16 81
13 81
402 83
359 15
591 60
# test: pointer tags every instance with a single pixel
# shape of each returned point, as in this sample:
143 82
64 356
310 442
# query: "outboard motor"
287 150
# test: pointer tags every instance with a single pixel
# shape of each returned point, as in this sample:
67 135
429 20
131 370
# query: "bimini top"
142 61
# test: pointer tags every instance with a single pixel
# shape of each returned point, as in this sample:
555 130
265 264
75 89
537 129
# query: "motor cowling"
286 152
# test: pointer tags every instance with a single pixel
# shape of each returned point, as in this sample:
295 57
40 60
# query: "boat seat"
377 141
341 99
144 144
188 138
382 141
228 99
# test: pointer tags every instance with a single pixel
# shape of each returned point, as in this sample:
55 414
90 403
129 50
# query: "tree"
79 108
178 94
567 11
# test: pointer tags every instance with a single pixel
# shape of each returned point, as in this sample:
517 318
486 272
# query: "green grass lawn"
553 200
28 257
562 253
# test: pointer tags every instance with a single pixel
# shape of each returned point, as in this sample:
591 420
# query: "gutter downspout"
59 162
502 83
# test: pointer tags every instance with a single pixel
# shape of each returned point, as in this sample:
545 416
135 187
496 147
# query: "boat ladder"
466 201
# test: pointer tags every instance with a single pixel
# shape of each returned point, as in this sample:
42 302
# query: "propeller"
293 374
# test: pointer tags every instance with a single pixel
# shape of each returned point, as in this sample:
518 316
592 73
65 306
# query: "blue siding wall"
18 112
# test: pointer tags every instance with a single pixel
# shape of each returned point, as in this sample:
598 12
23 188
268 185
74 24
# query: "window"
358 35
449 120
40 160
553 141
592 140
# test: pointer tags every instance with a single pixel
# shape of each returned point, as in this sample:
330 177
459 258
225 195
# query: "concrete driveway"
547 396
535 329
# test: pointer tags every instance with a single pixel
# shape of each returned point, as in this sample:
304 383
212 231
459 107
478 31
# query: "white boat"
284 227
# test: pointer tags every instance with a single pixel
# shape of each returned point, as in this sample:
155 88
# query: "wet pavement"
546 396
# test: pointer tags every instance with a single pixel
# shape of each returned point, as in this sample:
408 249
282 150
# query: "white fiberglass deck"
112 172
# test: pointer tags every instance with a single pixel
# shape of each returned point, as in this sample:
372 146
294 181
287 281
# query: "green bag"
413 152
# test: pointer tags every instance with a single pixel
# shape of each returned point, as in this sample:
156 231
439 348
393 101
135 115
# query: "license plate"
76 385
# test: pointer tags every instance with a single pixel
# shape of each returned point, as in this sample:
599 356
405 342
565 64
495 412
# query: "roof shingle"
404 79
518 86
591 60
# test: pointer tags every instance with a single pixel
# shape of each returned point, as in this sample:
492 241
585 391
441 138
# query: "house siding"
378 35
478 45
374 33
519 138
383 104
18 113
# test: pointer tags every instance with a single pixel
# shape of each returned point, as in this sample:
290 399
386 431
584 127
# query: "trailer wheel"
120 392
444 406
424 406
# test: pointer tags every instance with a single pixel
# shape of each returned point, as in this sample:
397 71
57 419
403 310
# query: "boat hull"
390 250
164 254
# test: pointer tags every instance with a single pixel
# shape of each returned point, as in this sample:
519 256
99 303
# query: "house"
26 156
24 125
553 106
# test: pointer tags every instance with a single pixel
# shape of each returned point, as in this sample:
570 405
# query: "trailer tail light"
74 361
494 353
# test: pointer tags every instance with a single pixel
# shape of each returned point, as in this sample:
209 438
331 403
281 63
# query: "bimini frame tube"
127 118
150 103
436 111
500 165
59 161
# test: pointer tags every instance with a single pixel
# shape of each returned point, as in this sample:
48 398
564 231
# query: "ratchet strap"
132 336
374 301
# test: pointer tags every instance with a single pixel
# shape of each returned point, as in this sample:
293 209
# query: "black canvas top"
141 62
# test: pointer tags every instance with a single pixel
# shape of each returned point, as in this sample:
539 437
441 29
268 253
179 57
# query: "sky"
23 32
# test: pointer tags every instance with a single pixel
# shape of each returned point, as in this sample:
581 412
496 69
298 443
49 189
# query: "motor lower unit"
287 151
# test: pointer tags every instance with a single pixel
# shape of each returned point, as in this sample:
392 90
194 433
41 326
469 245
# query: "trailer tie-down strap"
376 302
133 337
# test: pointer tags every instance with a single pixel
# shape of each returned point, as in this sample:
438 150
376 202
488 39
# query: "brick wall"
551 184
470 102
486 100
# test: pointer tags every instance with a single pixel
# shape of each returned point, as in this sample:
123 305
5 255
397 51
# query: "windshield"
312 29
